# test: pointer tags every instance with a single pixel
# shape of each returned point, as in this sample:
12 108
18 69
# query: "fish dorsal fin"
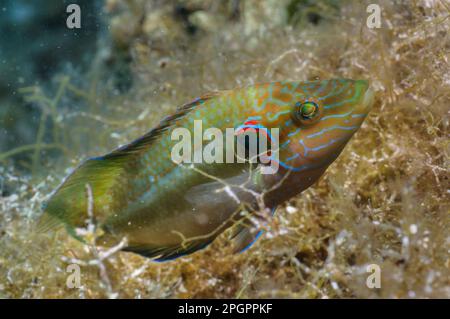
144 141
200 100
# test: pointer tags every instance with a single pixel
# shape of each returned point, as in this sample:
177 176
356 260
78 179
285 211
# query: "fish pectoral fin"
168 253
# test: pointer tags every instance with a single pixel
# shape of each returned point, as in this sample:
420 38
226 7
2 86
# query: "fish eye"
306 112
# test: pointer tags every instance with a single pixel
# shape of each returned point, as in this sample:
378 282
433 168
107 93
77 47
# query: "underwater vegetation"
166 205
384 201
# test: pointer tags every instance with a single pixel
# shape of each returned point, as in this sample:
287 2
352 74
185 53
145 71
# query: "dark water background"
35 44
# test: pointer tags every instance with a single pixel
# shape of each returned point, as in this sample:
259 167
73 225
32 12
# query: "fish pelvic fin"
244 238
245 235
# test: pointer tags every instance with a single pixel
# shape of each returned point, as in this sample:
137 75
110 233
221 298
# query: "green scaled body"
166 210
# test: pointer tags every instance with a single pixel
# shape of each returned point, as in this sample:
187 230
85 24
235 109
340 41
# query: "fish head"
317 119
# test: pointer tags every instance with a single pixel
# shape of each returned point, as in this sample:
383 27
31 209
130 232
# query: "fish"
167 209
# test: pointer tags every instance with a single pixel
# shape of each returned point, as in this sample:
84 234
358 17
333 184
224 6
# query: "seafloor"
385 201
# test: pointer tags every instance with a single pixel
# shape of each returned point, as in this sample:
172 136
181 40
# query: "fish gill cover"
384 201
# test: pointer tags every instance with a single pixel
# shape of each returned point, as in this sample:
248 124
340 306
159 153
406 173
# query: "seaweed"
385 201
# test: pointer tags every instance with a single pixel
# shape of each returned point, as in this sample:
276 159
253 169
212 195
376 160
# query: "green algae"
385 201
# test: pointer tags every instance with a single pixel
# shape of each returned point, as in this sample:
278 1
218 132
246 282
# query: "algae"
385 201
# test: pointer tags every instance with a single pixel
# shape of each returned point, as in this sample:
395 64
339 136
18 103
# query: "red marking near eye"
256 130
251 129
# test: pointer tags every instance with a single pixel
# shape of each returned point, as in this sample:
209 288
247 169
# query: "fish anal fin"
161 254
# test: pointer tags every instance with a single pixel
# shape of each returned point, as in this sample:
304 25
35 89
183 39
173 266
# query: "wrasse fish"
166 210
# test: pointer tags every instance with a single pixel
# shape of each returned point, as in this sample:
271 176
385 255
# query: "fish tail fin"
70 201
47 223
